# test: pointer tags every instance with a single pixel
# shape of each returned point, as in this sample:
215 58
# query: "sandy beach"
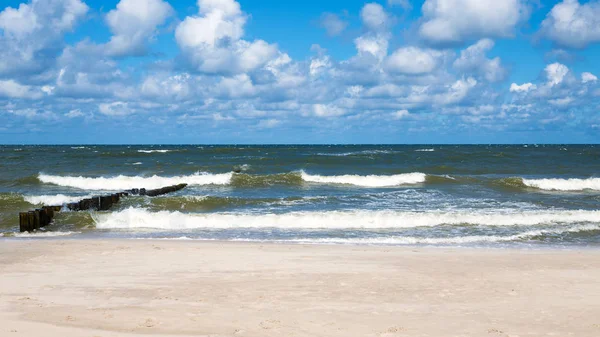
178 288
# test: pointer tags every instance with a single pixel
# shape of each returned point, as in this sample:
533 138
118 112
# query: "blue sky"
221 71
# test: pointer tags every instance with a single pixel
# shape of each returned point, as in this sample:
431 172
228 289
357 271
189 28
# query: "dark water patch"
250 180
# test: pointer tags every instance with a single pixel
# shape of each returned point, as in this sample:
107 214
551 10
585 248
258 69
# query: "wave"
154 151
142 218
425 150
57 199
412 240
355 153
247 180
369 180
564 184
122 182
39 234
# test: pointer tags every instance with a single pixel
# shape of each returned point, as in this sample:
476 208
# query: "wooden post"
23 222
105 203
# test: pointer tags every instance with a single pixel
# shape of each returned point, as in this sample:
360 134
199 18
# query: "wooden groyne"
42 217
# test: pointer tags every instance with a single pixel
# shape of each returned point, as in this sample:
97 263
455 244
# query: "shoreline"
123 287
513 246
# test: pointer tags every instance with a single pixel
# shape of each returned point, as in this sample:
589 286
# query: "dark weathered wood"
23 222
32 220
105 203
36 220
50 211
165 190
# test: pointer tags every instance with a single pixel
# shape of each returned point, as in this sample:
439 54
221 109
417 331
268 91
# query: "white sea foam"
411 240
354 153
425 150
43 234
127 182
78 147
141 218
367 181
154 151
564 184
56 199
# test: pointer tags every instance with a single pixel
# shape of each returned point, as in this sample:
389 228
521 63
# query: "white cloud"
318 65
74 113
525 87
588 77
333 24
375 45
175 86
400 114
456 92
12 89
374 16
413 60
474 60
32 34
115 109
133 23
555 73
456 21
327 110
561 101
212 42
571 24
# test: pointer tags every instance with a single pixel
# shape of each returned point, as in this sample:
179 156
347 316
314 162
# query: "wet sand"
175 288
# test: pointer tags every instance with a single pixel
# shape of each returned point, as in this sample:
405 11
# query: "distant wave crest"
564 184
122 182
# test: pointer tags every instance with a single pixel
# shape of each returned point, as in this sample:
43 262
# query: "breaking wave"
564 184
369 180
122 182
142 218
154 151
57 199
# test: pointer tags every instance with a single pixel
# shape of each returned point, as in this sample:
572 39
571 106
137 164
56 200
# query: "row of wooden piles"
42 217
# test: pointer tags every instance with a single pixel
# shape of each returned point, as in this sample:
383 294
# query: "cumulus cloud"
555 73
588 77
212 40
400 114
133 23
571 24
333 24
525 87
473 60
457 21
12 89
374 17
32 33
116 109
327 110
413 60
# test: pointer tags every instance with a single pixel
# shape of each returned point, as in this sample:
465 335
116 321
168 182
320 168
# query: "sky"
281 72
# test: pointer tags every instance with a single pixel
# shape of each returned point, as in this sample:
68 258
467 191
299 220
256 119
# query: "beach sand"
193 288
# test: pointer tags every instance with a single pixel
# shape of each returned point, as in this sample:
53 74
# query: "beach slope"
175 288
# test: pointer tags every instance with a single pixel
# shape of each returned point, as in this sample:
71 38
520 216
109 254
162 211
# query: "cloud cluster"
451 22
571 24
447 79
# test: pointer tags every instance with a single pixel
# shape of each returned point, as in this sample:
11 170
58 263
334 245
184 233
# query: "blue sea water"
447 195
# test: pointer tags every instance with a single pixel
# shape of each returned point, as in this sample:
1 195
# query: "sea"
410 195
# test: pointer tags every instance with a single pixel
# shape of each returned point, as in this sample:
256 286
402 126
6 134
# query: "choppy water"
430 195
